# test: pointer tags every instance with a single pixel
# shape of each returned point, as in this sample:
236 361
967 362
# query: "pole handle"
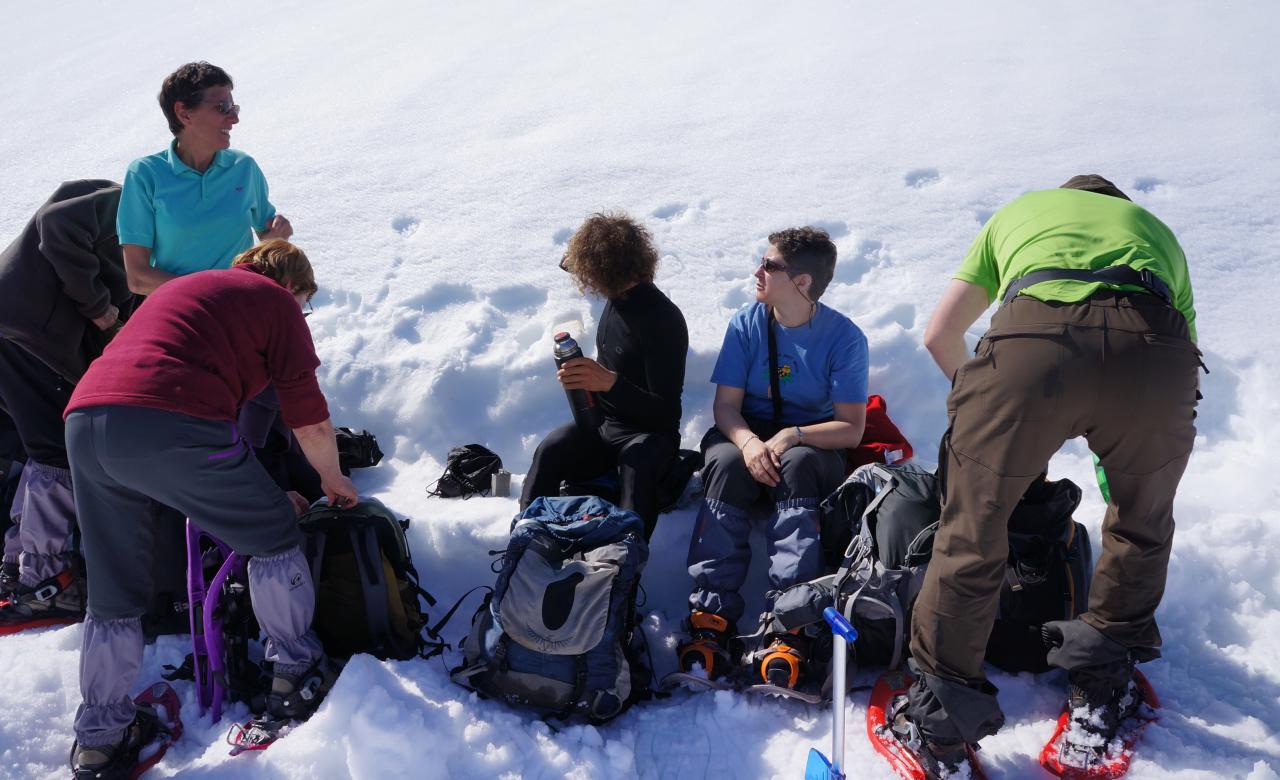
839 625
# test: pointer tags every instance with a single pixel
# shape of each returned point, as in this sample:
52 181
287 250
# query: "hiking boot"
1097 712
116 762
711 637
297 696
57 600
939 760
786 659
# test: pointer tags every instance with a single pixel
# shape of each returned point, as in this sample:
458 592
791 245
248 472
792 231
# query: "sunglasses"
771 266
226 107
564 261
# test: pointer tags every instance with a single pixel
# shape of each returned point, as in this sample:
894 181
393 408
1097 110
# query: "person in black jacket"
65 295
641 343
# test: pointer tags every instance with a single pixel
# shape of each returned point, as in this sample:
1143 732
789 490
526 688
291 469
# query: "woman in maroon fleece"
154 418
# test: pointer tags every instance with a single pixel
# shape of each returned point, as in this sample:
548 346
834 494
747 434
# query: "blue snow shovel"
819 767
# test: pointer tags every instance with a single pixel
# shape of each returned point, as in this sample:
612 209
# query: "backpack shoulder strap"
373 585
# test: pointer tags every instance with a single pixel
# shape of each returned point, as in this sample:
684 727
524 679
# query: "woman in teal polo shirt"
192 206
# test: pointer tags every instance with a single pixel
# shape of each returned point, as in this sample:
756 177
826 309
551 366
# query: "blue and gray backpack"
559 633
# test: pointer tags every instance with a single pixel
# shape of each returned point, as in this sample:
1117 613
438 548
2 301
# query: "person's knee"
806 472
558 445
646 453
725 476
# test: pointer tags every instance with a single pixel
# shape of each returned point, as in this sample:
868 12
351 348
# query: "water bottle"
583 403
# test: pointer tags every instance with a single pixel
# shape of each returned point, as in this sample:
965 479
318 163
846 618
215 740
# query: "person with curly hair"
641 343
791 396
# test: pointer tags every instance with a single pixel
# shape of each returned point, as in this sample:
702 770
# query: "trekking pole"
842 633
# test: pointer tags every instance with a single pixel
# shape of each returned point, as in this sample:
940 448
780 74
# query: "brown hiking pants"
1119 370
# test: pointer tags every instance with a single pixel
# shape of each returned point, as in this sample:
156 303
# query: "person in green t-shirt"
1111 359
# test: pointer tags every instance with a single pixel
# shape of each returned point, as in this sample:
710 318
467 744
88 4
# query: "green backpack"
361 566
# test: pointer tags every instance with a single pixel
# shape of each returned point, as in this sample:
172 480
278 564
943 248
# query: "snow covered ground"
435 157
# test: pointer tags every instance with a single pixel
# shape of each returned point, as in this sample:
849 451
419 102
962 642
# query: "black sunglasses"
564 260
771 266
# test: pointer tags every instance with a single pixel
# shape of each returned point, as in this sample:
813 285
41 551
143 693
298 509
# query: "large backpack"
559 633
1047 574
367 601
368 596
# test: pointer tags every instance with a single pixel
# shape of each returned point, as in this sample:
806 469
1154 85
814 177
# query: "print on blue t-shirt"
819 363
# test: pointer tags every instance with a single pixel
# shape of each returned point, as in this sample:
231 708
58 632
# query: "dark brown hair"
283 262
186 85
1092 182
609 253
808 250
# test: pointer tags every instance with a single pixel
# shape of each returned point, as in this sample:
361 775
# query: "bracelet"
748 441
799 433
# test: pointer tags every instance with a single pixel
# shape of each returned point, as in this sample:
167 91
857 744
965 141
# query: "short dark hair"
609 253
186 85
808 250
1092 182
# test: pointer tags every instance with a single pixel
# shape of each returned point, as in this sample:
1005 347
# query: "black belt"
1114 275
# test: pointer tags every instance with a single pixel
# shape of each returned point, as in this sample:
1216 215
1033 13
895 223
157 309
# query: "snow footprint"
835 228
441 296
1148 184
517 297
922 177
405 225
870 253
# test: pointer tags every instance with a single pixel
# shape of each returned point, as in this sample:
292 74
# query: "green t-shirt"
1074 229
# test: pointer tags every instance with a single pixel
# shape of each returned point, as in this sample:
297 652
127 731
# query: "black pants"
569 453
34 396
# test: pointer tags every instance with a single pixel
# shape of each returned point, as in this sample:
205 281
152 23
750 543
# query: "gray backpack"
559 633
883 566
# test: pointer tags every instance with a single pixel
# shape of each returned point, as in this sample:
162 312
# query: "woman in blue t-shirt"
780 436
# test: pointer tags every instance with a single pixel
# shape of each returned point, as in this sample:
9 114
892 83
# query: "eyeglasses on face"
771 266
226 107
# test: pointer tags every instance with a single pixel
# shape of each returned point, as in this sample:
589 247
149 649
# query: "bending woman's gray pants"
121 458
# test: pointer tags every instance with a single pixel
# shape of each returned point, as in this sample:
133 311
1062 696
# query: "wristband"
748 441
799 434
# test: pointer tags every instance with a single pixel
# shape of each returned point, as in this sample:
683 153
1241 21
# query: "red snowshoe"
1114 761
157 725
902 758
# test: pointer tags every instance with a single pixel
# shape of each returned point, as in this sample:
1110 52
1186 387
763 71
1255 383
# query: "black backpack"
467 472
368 596
356 450
1047 576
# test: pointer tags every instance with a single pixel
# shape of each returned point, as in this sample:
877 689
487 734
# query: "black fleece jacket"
642 336
62 271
